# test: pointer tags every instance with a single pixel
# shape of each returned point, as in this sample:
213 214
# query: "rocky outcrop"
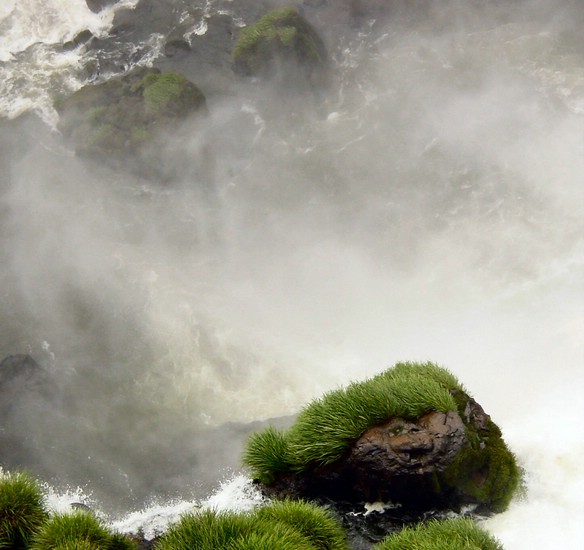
125 120
282 37
19 374
441 460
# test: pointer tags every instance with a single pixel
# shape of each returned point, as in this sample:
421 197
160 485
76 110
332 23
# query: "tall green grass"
78 530
22 510
450 534
280 525
314 522
326 428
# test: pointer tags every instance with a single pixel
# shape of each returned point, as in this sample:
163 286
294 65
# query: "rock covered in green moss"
115 119
411 435
280 36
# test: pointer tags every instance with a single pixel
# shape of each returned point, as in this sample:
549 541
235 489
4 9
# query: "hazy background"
430 208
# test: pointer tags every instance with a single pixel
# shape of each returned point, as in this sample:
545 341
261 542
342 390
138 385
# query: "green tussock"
267 453
451 534
22 510
280 30
77 530
315 523
170 92
325 429
282 525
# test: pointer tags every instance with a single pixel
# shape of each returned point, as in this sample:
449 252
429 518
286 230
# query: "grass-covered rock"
410 435
283 525
22 510
280 36
117 119
450 534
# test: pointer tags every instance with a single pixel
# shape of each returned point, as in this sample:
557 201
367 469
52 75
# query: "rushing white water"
433 211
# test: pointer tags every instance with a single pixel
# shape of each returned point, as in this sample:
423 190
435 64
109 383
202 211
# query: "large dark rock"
281 40
438 461
128 121
19 374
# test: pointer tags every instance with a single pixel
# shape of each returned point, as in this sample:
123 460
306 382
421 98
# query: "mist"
429 207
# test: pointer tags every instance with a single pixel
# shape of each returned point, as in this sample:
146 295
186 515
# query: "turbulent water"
430 207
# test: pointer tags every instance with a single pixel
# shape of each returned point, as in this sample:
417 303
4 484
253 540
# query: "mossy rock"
282 35
410 435
116 119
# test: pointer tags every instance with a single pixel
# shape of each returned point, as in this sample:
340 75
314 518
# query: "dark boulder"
441 460
127 121
19 374
97 5
281 40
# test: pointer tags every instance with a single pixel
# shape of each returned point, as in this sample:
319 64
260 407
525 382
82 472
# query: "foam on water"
33 66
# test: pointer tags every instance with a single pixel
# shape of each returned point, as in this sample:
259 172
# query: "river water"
430 207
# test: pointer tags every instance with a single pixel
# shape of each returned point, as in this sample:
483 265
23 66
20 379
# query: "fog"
428 207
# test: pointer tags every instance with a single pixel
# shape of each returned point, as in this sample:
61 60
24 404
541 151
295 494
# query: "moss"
22 509
170 94
280 32
326 428
450 534
484 471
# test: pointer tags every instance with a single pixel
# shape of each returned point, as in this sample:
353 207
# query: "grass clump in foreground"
79 530
284 525
450 534
327 427
22 510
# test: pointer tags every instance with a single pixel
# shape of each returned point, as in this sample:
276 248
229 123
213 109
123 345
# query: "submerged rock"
126 120
281 38
97 5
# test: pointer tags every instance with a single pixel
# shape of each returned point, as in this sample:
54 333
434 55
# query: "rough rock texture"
439 461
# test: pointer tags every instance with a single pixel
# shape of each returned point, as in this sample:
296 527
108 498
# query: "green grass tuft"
315 523
325 429
207 530
22 510
283 525
451 534
76 530
267 454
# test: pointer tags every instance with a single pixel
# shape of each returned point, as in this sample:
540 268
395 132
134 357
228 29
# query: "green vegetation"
119 116
484 471
170 94
451 534
22 510
323 530
281 32
326 428
79 530
284 525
